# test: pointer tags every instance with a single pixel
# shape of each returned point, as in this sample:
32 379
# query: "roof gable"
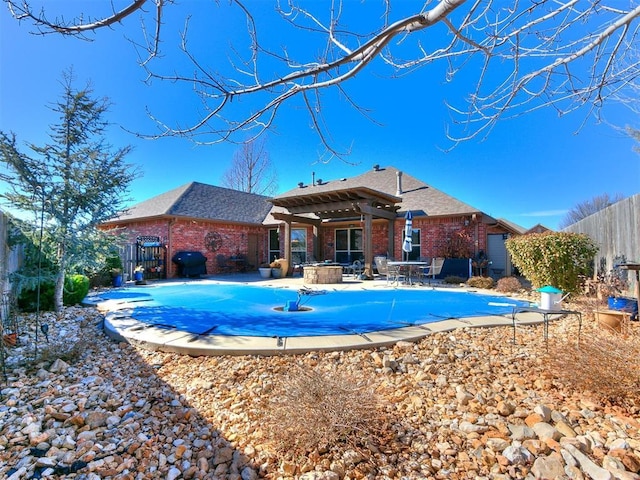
416 195
511 226
202 201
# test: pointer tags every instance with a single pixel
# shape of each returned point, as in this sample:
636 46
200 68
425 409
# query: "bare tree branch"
22 10
525 55
589 207
251 170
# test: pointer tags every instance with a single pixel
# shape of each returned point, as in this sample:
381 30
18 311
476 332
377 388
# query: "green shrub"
508 285
101 279
454 280
28 298
553 258
112 263
480 282
75 289
104 277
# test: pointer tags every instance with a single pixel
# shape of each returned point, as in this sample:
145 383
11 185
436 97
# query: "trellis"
151 255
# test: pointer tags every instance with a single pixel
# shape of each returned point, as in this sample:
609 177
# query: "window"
414 254
298 245
349 245
274 244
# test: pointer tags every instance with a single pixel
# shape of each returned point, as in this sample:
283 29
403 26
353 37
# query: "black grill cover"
190 264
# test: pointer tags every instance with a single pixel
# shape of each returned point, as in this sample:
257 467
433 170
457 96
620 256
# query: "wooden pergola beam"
322 207
342 204
287 217
369 209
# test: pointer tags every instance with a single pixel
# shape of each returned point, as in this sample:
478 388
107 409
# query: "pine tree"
72 183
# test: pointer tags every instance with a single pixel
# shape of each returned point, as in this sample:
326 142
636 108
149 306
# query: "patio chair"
421 270
434 269
299 267
395 274
223 266
356 268
381 266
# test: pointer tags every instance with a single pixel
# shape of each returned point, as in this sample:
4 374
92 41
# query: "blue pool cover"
244 310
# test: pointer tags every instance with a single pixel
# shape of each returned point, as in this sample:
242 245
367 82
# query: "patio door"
252 249
298 245
349 245
274 245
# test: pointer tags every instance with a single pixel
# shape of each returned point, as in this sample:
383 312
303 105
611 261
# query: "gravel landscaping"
462 404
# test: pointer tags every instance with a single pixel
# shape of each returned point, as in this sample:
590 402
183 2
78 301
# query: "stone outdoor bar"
315 274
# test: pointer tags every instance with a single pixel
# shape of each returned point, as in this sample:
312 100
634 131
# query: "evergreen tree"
71 184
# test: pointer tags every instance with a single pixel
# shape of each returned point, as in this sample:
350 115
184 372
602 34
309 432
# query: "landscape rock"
551 466
457 405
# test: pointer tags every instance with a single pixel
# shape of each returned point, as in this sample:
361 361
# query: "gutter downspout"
169 264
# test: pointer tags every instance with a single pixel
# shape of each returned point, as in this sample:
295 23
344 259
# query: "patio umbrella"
407 246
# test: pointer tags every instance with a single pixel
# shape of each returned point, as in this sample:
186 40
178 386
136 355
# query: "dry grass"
604 365
480 282
508 285
313 409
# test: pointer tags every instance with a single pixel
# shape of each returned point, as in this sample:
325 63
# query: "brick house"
340 220
194 217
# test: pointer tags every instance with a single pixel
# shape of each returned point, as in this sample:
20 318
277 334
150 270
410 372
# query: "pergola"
318 208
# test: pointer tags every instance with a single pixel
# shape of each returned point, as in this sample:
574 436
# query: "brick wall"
190 235
434 235
156 228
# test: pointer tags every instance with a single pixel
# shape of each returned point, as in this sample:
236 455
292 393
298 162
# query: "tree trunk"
58 294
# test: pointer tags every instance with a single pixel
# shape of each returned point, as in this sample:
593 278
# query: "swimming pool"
258 311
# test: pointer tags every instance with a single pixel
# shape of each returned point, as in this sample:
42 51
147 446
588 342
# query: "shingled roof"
201 201
417 196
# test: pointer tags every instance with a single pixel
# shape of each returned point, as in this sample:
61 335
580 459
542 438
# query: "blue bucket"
291 306
624 304
117 281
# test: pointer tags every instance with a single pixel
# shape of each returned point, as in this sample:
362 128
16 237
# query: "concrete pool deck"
120 326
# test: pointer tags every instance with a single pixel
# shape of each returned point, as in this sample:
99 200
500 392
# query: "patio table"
547 316
410 268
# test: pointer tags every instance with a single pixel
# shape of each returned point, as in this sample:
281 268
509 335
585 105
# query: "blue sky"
529 170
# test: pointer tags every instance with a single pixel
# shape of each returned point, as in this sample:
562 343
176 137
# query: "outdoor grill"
190 264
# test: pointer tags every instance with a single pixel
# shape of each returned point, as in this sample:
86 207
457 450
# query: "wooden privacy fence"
10 260
128 257
616 230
